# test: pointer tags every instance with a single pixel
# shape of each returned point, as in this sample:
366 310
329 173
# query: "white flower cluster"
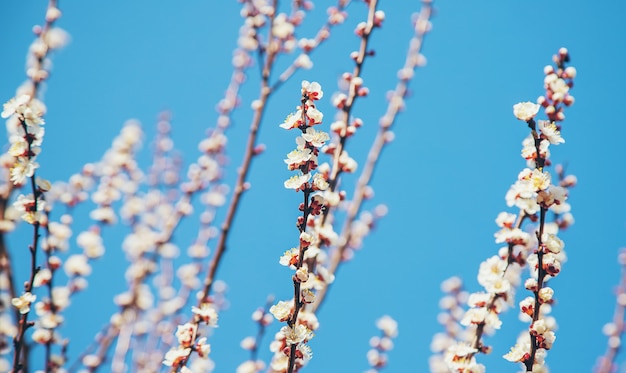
535 195
25 120
188 341
289 346
380 346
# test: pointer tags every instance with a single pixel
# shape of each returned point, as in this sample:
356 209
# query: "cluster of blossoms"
289 347
25 135
452 311
188 342
534 194
25 132
614 330
25 120
377 355
262 318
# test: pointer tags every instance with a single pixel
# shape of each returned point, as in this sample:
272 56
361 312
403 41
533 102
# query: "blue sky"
444 178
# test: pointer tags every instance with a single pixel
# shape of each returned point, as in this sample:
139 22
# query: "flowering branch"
346 102
377 355
294 352
532 193
615 329
414 59
263 318
25 113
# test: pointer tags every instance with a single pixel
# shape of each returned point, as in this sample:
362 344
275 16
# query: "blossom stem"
606 363
541 274
23 324
294 67
352 94
244 168
415 48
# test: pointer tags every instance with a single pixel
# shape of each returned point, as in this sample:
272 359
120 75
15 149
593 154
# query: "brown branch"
415 48
606 363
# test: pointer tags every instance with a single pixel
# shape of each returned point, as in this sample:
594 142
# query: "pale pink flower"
525 110
551 264
315 116
477 299
388 326
306 239
22 169
320 183
530 284
348 164
481 315
315 138
279 363
307 296
515 236
307 44
19 146
42 277
56 38
308 319
49 320
325 275
518 353
527 306
505 219
296 334
305 351
15 105
553 195
297 182
176 356
289 257
104 214
547 340
202 348
312 90
282 28
302 274
303 61
213 144
497 285
206 313
77 265
61 296
282 310
539 327
539 180
550 132
26 204
529 150
546 294
297 158
23 302
457 358
251 367
552 243
492 267
91 243
42 336
559 89
185 334
32 117
294 120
